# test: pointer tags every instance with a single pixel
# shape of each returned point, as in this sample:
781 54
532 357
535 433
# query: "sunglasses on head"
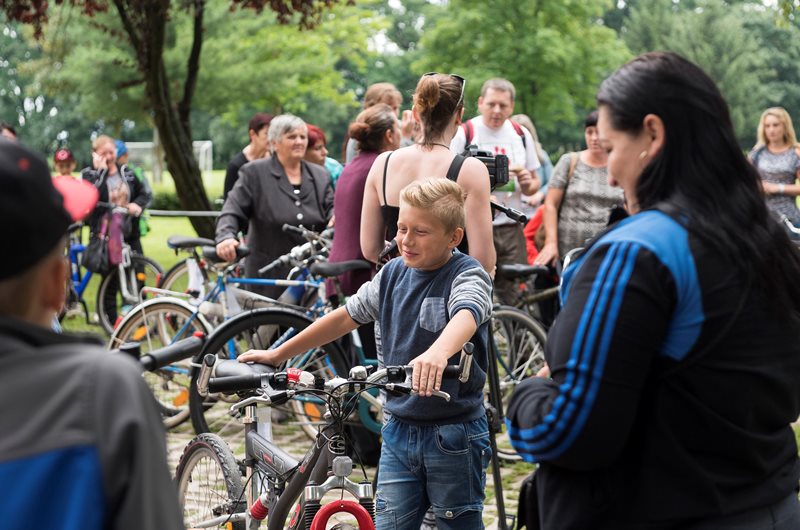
457 78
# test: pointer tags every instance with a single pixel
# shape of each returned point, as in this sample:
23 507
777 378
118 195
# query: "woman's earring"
642 155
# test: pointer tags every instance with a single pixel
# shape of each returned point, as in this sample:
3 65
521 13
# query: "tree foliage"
556 52
147 30
711 33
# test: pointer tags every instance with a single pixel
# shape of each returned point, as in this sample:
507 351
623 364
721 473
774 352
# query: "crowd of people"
672 365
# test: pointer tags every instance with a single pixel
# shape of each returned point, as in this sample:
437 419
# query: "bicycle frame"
287 478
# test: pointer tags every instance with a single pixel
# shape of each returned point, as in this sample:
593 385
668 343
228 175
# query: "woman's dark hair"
437 99
701 170
259 121
591 119
369 128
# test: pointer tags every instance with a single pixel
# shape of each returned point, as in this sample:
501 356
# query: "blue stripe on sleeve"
590 347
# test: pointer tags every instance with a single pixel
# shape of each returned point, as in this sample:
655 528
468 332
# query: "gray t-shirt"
587 202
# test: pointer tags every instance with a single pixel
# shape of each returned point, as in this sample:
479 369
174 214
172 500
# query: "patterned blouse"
587 202
779 168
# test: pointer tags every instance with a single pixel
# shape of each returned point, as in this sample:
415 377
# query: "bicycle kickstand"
494 414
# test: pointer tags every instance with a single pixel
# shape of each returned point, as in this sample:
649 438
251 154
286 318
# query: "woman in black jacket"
282 189
675 361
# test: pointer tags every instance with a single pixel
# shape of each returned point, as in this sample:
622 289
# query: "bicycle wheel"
209 482
262 329
154 324
519 349
177 279
111 301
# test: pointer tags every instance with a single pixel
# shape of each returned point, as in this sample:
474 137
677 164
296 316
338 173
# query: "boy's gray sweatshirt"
411 308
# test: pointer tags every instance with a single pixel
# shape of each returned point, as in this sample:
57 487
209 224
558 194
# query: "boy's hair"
442 197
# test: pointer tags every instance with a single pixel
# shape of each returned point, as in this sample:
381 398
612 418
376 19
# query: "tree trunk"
145 27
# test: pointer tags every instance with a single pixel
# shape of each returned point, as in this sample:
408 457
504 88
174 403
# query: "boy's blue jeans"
443 466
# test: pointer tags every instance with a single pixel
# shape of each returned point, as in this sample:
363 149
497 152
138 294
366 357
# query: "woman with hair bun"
376 130
438 107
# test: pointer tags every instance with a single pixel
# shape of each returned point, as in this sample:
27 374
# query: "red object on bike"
293 374
362 516
258 511
119 319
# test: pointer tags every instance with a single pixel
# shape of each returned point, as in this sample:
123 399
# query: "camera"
496 164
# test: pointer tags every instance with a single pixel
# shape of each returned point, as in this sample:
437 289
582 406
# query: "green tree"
711 33
556 52
145 29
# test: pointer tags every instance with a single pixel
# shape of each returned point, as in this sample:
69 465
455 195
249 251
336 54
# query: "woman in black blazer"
283 189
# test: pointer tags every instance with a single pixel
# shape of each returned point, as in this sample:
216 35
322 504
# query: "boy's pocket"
432 316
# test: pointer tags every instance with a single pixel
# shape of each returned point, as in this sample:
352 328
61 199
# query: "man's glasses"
457 78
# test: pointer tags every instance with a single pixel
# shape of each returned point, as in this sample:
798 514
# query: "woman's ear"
414 113
654 128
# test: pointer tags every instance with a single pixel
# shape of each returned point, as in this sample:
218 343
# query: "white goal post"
150 157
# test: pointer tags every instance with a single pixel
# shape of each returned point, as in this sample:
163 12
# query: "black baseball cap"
32 208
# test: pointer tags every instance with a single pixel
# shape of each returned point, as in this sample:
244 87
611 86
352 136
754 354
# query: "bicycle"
209 479
133 272
163 320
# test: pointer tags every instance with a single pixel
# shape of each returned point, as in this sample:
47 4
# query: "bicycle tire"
176 278
154 324
209 482
519 348
258 329
152 273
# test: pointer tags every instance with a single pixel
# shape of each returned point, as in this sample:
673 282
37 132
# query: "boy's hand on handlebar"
269 357
427 374
226 250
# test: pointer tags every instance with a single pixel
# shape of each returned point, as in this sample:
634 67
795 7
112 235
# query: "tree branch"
193 67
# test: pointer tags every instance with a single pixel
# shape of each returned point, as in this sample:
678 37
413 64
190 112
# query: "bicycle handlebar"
161 357
298 379
183 349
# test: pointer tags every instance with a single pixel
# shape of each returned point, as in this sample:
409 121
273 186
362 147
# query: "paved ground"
294 441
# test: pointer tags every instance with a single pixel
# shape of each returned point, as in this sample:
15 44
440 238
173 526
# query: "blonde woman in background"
776 155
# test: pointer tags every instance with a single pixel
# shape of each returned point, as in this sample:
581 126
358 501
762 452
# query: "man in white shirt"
493 131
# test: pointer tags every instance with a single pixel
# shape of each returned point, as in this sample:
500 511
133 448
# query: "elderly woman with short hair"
283 189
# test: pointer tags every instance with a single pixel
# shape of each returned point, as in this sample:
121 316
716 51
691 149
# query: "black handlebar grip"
167 355
234 383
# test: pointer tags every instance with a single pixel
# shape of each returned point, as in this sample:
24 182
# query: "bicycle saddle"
227 368
328 270
511 271
210 253
181 242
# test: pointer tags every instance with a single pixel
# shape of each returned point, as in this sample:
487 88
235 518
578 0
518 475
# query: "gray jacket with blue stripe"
82 444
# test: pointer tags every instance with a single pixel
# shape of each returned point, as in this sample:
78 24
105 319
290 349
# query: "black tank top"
391 214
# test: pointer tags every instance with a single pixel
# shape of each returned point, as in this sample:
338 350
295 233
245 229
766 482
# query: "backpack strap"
520 132
385 168
455 168
469 132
